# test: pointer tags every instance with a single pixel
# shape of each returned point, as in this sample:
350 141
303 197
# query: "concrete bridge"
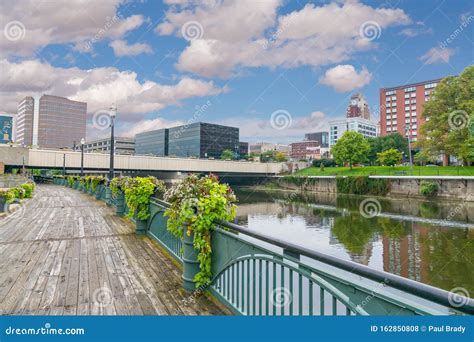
54 159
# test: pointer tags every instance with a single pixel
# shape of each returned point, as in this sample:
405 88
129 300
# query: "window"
410 89
407 101
407 96
430 85
391 92
413 119
413 101
394 98
407 109
393 117
413 95
413 107
413 113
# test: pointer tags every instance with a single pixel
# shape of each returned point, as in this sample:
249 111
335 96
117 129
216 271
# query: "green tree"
383 143
227 154
389 157
448 113
350 149
280 157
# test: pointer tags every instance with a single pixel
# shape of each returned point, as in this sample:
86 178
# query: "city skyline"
288 63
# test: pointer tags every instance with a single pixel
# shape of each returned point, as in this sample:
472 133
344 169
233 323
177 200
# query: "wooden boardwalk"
64 253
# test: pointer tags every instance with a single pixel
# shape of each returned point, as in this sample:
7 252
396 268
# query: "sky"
276 69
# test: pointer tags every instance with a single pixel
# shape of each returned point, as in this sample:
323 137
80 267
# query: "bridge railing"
256 274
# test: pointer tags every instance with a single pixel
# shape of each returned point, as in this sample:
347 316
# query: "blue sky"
248 60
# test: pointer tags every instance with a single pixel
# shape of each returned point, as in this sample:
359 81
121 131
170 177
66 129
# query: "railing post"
190 261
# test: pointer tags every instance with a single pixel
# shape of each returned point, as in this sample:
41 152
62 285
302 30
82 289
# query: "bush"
428 189
325 162
29 188
19 192
362 185
9 195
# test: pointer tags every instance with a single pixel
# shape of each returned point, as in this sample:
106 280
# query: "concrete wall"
459 188
93 161
10 181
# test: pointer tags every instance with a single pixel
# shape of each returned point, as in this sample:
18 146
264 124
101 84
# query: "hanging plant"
195 204
138 192
95 181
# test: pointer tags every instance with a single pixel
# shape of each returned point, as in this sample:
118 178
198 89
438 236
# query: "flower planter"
3 205
190 262
120 204
140 225
98 192
75 185
108 195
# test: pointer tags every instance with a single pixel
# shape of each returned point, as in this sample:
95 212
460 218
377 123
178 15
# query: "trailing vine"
96 181
195 204
138 192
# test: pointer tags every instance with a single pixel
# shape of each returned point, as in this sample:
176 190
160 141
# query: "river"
428 241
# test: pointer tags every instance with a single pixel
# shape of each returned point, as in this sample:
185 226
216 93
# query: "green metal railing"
255 274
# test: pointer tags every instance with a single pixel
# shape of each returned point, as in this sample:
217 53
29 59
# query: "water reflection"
426 241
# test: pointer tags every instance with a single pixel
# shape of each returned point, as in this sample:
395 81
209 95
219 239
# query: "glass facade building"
198 140
153 143
6 127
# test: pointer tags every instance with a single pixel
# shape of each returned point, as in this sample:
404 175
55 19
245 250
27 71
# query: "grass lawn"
389 171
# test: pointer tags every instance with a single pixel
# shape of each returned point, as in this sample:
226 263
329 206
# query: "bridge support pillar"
190 262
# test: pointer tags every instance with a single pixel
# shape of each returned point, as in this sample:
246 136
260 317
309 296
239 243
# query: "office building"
305 150
121 146
50 122
198 140
358 107
202 140
7 128
154 143
321 137
262 147
338 127
243 149
401 108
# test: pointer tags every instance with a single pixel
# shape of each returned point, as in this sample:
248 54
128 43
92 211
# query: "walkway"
64 253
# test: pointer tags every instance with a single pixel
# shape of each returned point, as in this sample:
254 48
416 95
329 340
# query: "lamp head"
83 141
113 110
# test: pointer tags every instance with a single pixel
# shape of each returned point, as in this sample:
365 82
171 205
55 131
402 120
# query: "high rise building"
305 150
401 108
338 127
7 124
243 148
321 137
358 107
50 121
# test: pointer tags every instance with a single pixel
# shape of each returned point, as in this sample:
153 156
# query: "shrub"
96 181
362 185
9 195
325 162
29 188
19 192
428 189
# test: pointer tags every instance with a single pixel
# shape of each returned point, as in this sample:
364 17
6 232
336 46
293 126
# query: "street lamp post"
64 164
113 114
82 156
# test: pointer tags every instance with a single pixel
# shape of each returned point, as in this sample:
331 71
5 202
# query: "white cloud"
345 78
81 23
251 34
121 48
437 55
98 87
149 125
257 129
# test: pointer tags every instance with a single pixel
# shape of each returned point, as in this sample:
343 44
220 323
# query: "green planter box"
120 204
3 205
140 225
75 185
190 262
98 191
